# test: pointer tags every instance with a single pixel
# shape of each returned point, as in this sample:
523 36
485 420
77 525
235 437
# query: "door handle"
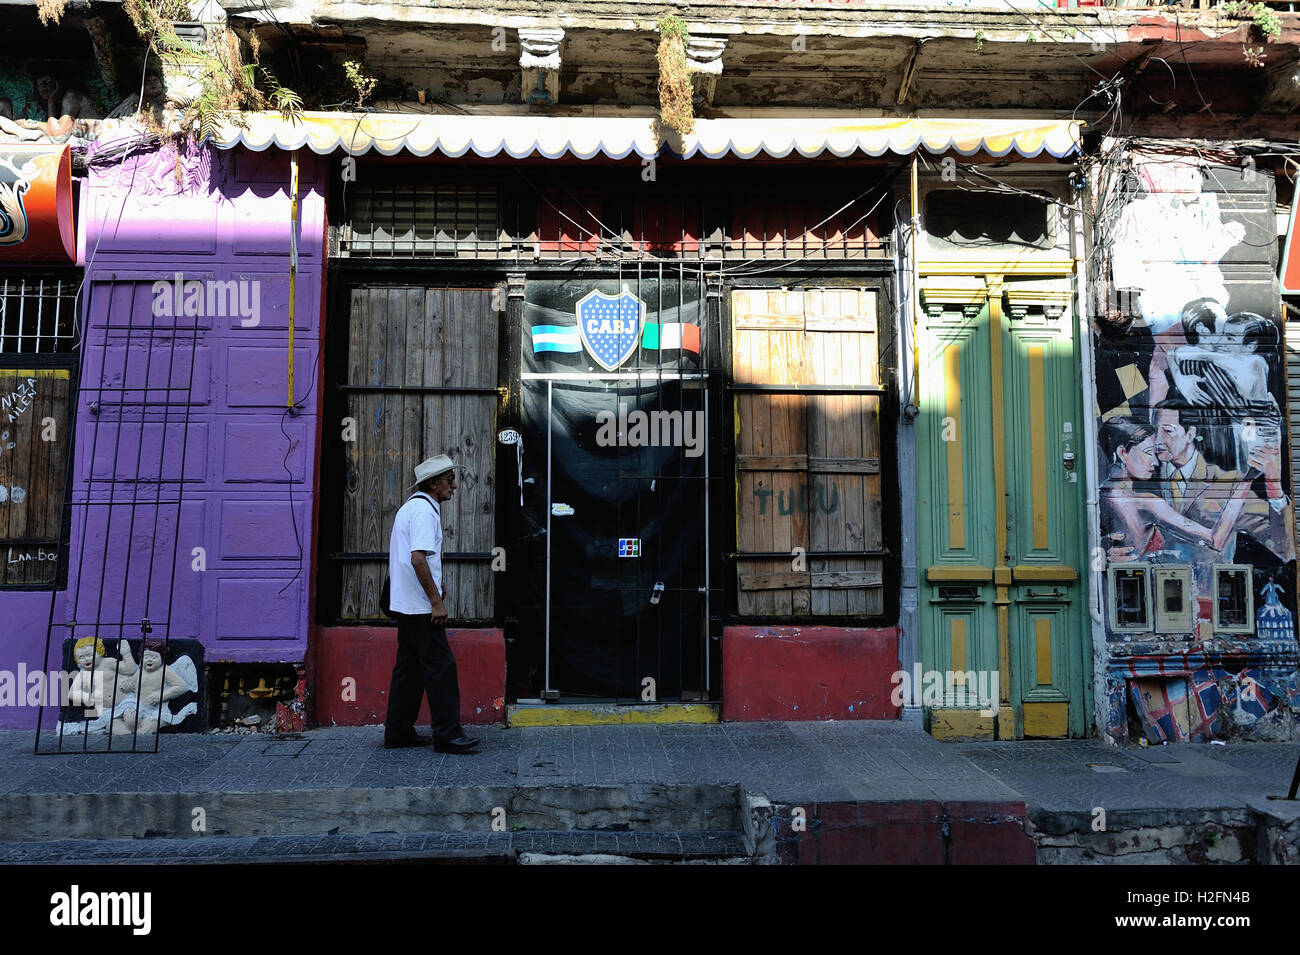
657 592
1067 460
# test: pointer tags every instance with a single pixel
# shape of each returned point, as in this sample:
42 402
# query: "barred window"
38 333
38 313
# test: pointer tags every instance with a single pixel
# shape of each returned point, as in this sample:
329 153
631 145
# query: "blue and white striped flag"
561 338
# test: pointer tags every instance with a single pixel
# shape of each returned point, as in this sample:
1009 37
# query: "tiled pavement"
824 762
1072 776
785 761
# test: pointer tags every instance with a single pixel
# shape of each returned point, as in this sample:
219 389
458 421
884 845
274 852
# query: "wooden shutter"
807 465
429 356
35 433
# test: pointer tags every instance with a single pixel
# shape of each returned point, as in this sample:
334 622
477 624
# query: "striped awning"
618 137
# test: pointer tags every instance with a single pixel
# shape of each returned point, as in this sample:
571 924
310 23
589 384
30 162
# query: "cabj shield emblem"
610 326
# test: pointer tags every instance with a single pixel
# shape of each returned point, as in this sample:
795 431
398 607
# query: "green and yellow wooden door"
1003 619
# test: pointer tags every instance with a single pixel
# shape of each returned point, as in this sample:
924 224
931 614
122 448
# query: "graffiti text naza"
805 500
19 400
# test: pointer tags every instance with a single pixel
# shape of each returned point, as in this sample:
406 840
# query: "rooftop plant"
675 107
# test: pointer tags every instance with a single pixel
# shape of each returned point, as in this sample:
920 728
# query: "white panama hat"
431 467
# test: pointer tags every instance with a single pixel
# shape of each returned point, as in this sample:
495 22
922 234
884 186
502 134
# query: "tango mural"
1197 528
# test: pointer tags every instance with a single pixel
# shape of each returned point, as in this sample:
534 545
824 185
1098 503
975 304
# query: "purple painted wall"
247 484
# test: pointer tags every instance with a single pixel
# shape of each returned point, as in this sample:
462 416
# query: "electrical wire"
883 185
130 147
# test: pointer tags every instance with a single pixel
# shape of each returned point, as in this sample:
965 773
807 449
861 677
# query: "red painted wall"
567 224
905 833
367 654
808 673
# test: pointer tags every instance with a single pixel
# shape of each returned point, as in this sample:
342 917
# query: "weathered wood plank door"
805 369
34 415
422 380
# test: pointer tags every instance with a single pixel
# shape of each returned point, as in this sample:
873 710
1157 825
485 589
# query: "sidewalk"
729 792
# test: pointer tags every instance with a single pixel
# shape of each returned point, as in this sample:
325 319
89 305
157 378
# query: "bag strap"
432 503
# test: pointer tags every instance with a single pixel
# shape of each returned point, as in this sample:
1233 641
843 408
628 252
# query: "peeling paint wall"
1191 394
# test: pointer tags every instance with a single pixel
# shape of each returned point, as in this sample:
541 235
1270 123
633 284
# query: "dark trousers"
424 665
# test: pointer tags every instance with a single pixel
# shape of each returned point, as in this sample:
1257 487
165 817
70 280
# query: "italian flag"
662 337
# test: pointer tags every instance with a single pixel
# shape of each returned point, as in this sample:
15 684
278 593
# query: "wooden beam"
909 73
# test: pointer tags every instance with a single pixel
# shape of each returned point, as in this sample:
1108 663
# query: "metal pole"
546 685
293 262
1090 475
708 688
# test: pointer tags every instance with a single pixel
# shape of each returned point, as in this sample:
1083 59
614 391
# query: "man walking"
424 660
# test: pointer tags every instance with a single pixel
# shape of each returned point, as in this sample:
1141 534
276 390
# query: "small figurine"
1273 621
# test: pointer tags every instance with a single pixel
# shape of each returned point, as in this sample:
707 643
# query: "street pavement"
791 764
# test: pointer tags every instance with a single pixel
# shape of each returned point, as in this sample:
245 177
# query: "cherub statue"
153 685
100 680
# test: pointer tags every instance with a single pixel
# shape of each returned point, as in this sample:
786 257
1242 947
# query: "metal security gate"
615 465
113 682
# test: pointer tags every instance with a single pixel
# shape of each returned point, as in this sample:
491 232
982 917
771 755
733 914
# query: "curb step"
479 847
356 811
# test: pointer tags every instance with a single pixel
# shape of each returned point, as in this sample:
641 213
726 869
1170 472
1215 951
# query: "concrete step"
609 714
464 847
355 811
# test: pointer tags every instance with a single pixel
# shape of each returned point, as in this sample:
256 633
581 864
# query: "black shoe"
461 744
401 742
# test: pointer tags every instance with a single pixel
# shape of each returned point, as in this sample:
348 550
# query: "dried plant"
50 11
675 108
226 85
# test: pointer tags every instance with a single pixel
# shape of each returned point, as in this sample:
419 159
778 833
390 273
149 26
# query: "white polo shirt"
417 526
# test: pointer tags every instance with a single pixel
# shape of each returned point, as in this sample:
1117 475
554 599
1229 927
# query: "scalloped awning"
618 137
